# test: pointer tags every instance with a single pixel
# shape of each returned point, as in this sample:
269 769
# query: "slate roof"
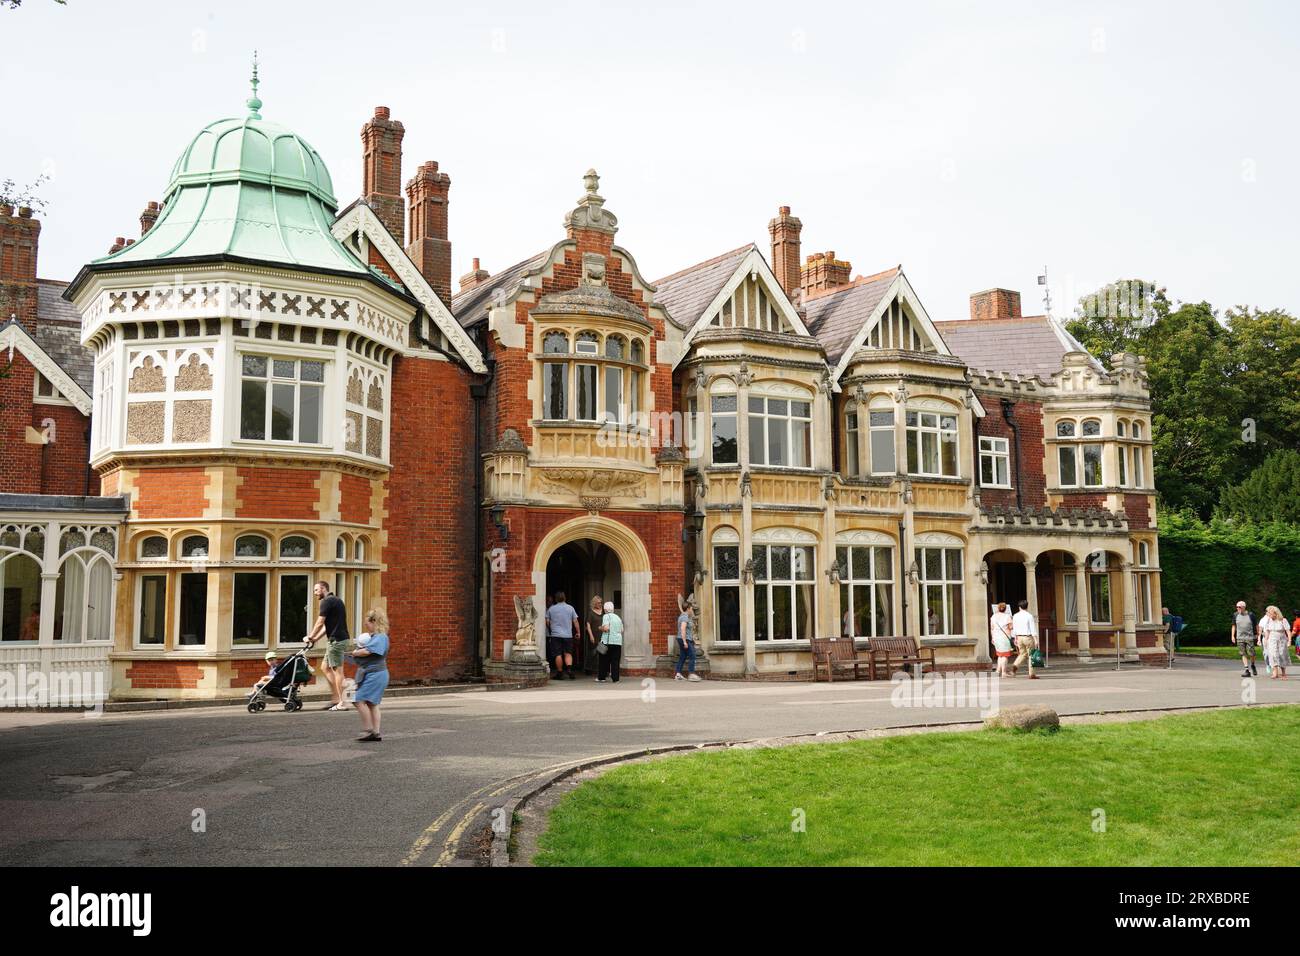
472 306
58 332
686 294
835 318
1031 345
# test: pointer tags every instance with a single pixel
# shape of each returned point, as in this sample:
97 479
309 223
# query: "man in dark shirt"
332 624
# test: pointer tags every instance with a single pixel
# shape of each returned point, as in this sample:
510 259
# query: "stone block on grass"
1024 717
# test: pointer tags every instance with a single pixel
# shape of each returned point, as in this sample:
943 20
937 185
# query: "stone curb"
499 853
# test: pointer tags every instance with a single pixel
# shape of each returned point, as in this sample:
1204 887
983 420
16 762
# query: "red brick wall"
285 494
429 581
1138 510
660 533
170 493
164 674
1028 472
356 494
64 468
380 263
20 463
1078 500
995 304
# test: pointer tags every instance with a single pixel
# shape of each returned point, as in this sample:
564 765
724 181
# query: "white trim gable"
901 289
14 336
362 219
753 264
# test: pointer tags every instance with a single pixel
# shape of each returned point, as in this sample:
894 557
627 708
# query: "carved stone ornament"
833 572
743 378
526 631
594 504
590 212
585 481
825 384
510 443
860 395
701 379
746 485
901 394
593 268
747 575
828 487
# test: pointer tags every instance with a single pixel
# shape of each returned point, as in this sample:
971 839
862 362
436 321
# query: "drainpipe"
1008 406
902 573
479 391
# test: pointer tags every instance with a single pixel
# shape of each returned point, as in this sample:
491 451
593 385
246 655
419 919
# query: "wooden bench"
896 653
832 654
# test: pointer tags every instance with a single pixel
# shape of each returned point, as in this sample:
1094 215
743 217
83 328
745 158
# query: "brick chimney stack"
785 230
118 245
995 304
475 277
381 171
149 217
19 242
823 272
429 248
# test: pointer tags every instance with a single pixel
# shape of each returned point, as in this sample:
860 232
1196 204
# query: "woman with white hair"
611 631
1276 634
371 658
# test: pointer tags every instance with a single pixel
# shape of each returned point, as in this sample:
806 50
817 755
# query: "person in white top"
1276 634
1000 633
1025 631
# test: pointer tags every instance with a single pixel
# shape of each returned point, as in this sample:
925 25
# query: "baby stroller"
286 683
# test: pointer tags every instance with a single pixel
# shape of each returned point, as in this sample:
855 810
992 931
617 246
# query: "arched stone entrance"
581 571
586 539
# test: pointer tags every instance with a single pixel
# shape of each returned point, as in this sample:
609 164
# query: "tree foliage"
1269 493
1225 392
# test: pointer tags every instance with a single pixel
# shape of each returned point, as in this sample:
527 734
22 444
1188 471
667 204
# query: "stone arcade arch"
634 562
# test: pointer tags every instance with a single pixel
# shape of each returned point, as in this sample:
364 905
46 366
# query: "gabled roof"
836 318
472 305
14 335
686 294
1028 345
360 218
58 333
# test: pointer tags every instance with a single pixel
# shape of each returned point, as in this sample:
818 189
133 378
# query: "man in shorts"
561 629
333 625
1244 636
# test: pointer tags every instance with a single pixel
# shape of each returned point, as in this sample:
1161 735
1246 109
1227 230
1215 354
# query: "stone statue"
526 632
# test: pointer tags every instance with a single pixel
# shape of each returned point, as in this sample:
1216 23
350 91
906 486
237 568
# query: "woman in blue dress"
371 658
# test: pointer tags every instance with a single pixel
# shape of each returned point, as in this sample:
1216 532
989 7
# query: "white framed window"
1092 470
883 459
83 599
249 610
151 616
359 550
613 393
995 463
1145 609
555 391
1123 466
725 448
584 385
780 431
1139 462
295 602
1070 587
1099 608
866 590
340 550
726 591
281 399
932 444
784 593
194 547
44 392
192 610
941 591
851 444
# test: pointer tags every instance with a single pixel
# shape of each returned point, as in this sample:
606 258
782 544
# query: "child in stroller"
284 682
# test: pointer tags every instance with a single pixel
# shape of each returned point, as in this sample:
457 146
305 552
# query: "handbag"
602 648
1036 658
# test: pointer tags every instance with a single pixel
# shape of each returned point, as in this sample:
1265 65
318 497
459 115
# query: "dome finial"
254 104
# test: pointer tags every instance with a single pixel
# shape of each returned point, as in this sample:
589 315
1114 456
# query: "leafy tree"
1270 493
1265 350
1116 317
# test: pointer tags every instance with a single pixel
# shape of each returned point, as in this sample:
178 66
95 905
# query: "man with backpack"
1244 635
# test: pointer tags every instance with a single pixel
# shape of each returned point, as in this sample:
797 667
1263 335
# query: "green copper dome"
249 189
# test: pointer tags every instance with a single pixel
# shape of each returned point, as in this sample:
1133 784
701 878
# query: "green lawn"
1216 789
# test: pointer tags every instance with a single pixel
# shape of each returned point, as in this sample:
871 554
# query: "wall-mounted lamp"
498 513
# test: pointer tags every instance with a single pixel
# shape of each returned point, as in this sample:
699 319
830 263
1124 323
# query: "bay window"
784 599
780 432
866 590
932 444
726 591
281 399
724 430
941 591
883 461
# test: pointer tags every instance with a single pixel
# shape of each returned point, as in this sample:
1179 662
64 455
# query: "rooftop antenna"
1047 291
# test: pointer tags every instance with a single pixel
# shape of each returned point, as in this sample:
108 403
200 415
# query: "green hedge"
1207 567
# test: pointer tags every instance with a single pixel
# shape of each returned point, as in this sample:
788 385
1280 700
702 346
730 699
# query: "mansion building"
264 390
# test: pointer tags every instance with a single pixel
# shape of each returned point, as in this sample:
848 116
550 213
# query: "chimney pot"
995 304
381 171
381 112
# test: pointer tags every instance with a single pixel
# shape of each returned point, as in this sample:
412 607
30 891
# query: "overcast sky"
975 143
